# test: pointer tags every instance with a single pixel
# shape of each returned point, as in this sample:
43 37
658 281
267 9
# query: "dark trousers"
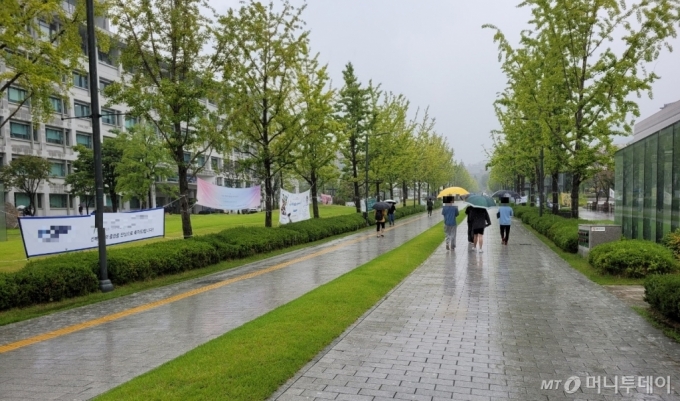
505 232
471 236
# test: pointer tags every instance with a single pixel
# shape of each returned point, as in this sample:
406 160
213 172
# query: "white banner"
49 235
217 197
294 207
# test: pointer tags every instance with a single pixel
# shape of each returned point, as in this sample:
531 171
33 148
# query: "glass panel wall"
664 183
649 201
675 203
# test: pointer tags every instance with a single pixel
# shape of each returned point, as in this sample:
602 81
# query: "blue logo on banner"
52 235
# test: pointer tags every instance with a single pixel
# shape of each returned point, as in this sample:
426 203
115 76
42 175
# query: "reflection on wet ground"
514 322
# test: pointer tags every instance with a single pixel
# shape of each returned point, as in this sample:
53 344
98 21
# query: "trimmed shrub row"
663 294
563 232
632 258
74 274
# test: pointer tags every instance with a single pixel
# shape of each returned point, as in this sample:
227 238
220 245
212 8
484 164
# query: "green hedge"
563 232
663 294
74 274
632 258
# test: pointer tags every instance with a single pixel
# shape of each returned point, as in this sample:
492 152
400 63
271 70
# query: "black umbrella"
381 206
506 193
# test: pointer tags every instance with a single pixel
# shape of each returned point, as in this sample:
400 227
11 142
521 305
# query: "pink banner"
224 198
326 199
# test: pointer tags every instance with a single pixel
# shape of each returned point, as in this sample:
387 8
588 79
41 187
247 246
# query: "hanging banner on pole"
49 235
294 207
218 197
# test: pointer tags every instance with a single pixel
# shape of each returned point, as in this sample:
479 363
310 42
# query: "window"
218 181
187 157
131 121
57 105
20 131
215 163
54 135
21 199
135 203
104 57
200 161
103 83
16 95
110 117
58 201
81 110
80 80
57 169
85 139
47 30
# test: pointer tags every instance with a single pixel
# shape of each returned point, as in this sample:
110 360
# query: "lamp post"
104 282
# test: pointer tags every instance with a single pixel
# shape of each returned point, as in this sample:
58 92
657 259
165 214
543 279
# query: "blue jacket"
504 215
450 213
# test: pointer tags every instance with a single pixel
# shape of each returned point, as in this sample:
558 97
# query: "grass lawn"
13 257
254 360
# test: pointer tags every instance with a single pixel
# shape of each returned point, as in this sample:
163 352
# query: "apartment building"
55 138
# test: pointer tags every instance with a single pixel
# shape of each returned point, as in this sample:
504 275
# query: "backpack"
378 215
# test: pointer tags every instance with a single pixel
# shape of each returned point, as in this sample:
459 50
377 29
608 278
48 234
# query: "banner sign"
294 207
49 235
326 199
218 197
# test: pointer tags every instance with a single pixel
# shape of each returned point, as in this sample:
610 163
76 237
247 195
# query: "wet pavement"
80 353
508 323
586 214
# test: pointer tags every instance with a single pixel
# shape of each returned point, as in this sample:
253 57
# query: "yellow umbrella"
450 191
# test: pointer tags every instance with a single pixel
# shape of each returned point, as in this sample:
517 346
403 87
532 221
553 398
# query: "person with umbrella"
430 205
390 211
479 217
450 212
504 219
381 209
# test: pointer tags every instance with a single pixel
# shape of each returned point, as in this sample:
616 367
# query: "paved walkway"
81 353
494 326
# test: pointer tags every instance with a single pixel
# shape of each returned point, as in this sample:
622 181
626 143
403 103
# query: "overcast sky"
436 54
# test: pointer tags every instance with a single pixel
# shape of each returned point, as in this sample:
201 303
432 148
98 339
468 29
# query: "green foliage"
663 294
74 274
632 258
672 242
563 232
82 179
26 174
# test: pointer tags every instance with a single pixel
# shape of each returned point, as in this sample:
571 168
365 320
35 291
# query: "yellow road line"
142 308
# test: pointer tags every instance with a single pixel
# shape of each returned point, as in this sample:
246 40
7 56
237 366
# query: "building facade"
54 140
647 174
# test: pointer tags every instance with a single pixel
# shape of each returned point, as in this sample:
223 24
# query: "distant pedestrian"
390 213
380 222
480 220
430 205
504 219
80 209
450 212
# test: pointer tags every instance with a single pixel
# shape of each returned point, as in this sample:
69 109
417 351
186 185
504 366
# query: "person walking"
430 205
480 220
390 213
471 236
80 209
380 222
504 219
450 212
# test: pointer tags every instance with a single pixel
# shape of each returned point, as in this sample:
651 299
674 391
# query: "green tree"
144 163
82 179
265 46
26 174
170 79
316 153
581 86
40 45
352 110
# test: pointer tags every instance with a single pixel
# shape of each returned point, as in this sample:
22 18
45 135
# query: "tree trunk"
404 192
355 175
419 189
268 193
575 184
184 195
315 203
150 199
555 195
377 191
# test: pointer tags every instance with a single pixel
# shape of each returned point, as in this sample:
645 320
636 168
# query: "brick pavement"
492 326
88 362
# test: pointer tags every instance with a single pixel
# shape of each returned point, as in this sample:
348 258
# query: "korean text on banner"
49 235
224 198
294 207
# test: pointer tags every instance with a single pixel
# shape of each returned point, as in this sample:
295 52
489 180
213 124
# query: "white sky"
436 54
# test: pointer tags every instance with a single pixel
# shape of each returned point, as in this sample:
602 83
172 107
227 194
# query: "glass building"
647 174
